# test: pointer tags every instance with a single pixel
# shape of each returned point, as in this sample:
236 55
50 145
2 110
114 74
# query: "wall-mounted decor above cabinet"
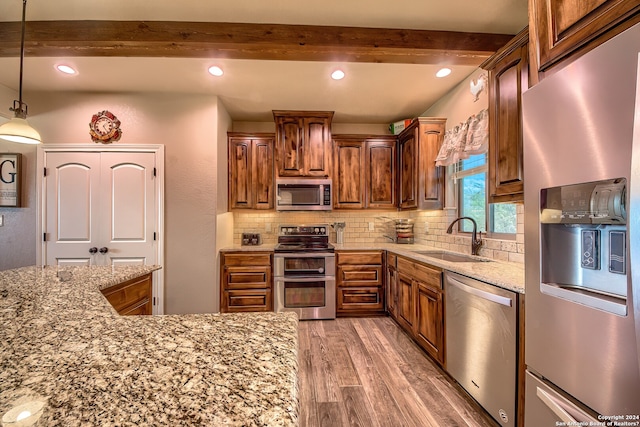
508 77
251 170
303 143
364 171
420 181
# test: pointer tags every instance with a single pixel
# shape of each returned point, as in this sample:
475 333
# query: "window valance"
467 138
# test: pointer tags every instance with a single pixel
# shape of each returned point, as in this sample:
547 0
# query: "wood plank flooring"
367 372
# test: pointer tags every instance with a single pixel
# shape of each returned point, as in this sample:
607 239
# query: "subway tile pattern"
429 229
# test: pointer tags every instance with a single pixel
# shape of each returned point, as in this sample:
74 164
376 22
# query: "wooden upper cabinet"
508 77
303 143
408 161
289 146
349 177
380 169
251 171
421 182
317 145
559 28
364 171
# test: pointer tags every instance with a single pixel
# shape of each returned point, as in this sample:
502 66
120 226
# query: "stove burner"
304 247
304 238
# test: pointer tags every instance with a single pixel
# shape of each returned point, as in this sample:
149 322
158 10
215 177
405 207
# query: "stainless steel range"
304 272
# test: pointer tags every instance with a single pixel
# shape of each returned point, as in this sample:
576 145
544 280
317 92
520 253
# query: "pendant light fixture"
17 129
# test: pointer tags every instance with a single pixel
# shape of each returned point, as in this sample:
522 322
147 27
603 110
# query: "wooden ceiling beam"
248 41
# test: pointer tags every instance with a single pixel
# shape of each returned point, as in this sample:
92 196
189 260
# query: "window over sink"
498 220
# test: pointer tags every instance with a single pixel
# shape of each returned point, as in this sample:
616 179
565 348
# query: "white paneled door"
100 208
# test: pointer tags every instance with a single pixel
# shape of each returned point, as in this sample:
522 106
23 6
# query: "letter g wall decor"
10 178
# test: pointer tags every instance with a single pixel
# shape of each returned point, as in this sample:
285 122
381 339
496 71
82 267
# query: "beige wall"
190 127
336 128
457 106
18 235
224 219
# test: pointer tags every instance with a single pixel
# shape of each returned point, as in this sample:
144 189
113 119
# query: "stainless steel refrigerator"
582 239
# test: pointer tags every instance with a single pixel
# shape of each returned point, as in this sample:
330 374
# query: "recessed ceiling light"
66 69
443 72
216 71
337 75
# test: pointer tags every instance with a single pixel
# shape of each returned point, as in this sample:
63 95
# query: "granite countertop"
62 343
506 275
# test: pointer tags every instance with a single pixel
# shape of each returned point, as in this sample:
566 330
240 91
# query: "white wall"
188 127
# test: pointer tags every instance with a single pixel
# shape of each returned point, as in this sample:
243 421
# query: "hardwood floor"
367 372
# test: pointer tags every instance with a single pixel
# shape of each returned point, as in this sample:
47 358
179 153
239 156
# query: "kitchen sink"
451 257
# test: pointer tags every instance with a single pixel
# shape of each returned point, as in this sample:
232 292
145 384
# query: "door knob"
104 250
93 250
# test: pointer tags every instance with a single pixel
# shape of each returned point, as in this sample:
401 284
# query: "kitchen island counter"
63 344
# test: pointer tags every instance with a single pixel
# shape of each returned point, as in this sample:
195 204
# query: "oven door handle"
304 279
308 271
305 255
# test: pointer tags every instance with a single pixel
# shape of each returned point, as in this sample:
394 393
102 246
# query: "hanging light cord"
19 107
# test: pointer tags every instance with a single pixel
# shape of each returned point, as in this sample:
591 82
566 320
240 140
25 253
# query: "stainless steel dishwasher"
481 343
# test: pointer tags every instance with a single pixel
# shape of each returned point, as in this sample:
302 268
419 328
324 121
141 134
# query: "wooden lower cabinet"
406 306
391 296
420 305
360 283
133 297
429 330
246 282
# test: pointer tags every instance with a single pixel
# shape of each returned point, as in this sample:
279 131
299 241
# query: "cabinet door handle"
93 250
104 250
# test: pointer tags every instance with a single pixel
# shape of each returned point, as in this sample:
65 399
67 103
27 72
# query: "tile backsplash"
429 229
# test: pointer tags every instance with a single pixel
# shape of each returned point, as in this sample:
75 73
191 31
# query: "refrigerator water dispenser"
583 244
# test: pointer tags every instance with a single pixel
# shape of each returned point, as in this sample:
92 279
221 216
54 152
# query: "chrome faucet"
475 243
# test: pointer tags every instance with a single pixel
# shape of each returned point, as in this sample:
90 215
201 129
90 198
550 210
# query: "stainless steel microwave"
300 194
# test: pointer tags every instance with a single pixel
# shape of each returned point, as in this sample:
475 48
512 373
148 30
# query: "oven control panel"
304 230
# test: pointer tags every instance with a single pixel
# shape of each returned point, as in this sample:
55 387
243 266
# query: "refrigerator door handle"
548 400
